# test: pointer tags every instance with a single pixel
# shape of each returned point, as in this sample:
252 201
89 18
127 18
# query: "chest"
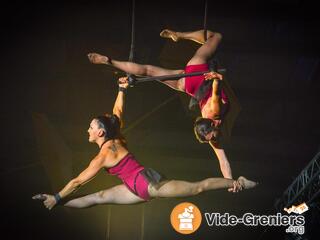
210 110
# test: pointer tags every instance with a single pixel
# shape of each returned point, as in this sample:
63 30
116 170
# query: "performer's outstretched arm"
118 107
85 176
223 161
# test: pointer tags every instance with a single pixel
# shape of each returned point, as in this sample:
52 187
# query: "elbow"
75 184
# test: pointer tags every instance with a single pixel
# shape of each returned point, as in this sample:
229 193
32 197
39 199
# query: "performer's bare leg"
116 195
196 36
139 69
176 188
205 52
201 56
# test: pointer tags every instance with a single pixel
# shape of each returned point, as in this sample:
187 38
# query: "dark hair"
111 125
203 126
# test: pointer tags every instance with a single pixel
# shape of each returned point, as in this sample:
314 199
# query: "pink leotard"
192 84
129 171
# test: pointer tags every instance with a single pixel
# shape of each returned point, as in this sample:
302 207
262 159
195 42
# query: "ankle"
109 61
179 34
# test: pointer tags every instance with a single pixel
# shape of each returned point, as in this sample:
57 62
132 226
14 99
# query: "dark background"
50 92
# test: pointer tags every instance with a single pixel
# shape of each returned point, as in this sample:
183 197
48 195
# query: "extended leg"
175 188
116 195
139 69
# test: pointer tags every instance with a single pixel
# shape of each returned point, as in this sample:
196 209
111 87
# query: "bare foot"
97 58
166 33
246 183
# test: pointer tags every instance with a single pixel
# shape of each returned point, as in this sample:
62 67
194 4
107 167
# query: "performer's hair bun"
111 125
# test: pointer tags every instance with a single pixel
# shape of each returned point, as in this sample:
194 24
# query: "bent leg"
205 52
196 36
116 195
176 188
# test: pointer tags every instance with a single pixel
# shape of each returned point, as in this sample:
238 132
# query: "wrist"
122 89
57 197
107 61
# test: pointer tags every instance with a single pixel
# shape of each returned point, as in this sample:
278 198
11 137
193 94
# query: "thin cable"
132 46
146 115
205 20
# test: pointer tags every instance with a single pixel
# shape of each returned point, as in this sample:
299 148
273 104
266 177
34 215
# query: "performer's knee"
150 70
201 186
197 190
101 197
153 191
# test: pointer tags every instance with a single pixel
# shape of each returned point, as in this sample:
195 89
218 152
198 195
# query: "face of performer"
216 122
94 131
214 133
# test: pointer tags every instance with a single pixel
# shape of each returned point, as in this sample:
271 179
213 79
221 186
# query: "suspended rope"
212 62
205 20
132 46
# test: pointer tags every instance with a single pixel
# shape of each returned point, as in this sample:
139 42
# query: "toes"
35 197
164 33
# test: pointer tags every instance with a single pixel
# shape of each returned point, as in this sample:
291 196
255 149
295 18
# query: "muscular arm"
85 176
215 106
215 98
223 161
118 107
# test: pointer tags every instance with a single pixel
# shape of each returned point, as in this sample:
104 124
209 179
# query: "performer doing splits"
139 183
217 110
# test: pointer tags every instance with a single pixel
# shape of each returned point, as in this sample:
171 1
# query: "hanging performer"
218 104
139 183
